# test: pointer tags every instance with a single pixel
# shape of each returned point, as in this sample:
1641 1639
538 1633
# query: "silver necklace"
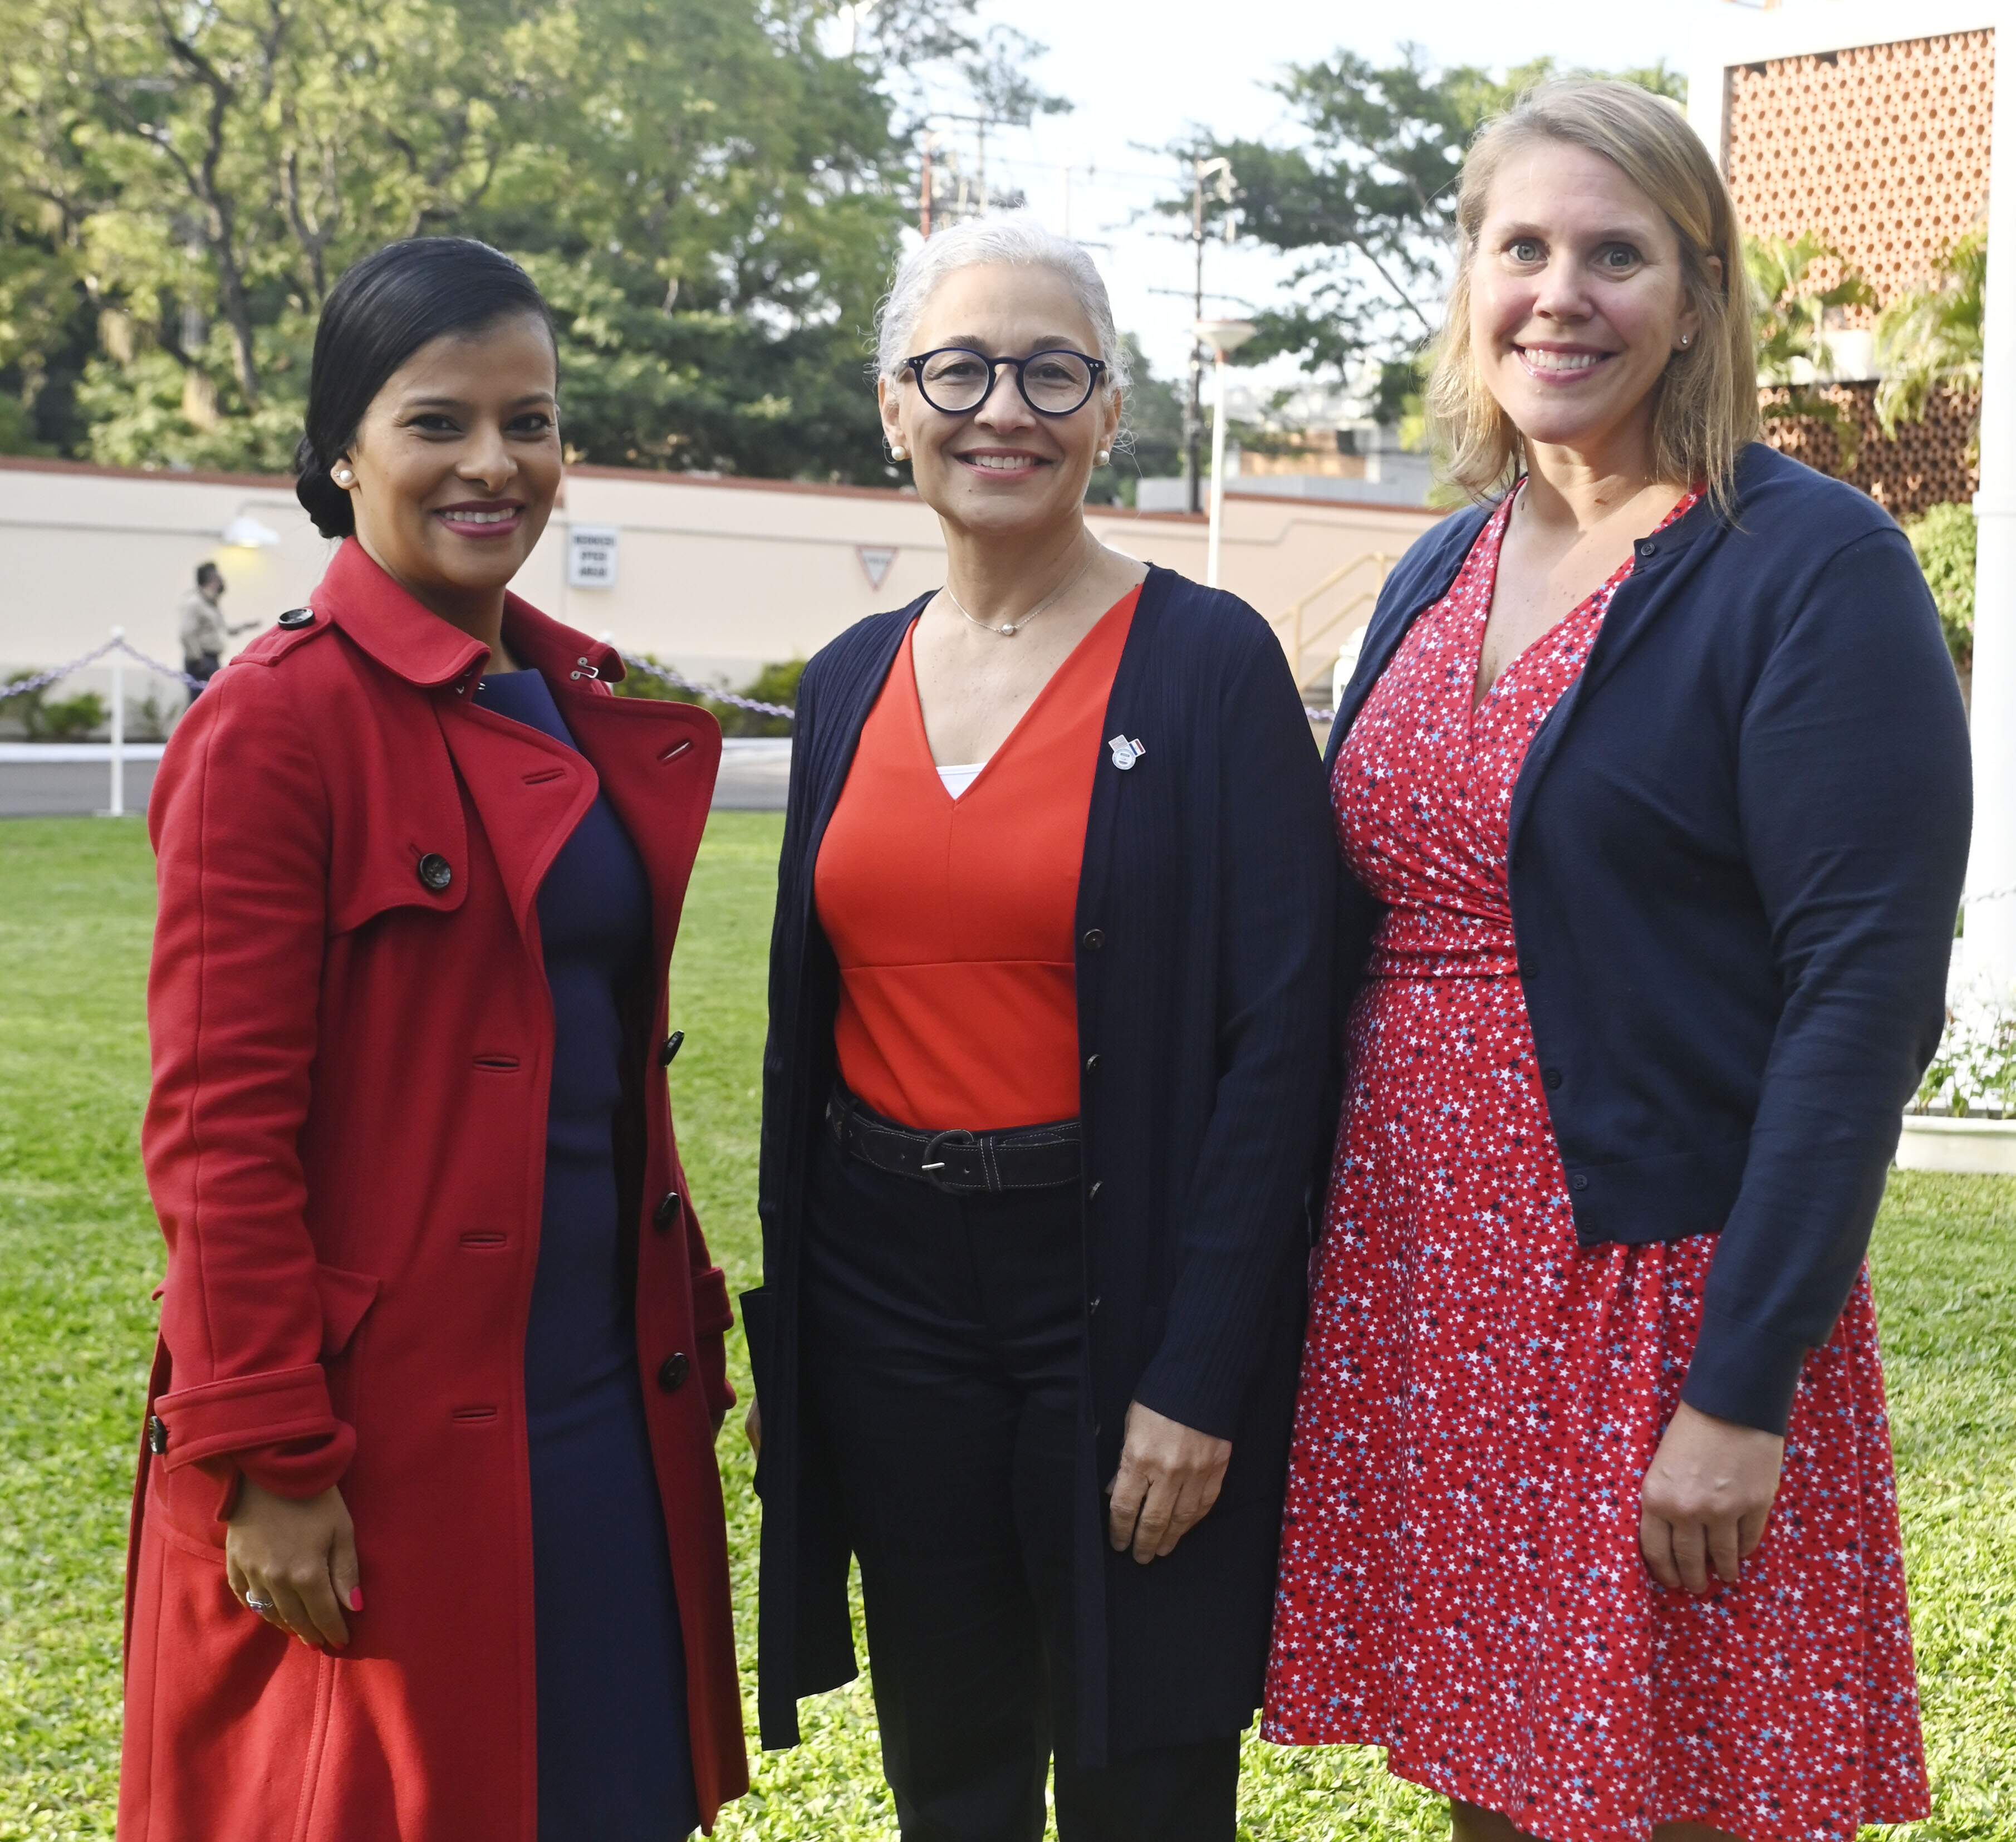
1008 629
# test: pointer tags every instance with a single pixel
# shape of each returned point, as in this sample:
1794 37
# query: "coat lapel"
656 761
529 792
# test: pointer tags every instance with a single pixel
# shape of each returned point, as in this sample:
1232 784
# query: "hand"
1169 1478
752 1426
301 1557
1707 1498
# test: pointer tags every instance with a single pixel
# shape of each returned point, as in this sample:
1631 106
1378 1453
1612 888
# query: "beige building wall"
715 577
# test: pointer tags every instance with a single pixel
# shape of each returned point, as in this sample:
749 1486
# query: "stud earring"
343 477
1103 456
1687 339
899 452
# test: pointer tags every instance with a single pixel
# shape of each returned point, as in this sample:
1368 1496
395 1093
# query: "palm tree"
1792 349
1933 337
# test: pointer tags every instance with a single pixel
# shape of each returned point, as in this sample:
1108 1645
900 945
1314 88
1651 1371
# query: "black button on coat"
1205 926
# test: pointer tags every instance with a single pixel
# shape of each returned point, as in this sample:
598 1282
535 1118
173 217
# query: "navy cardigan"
1206 924
1737 846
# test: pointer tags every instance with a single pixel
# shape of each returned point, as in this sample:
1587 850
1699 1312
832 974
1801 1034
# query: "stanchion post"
118 809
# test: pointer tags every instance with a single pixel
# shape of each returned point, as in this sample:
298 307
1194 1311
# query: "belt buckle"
930 1170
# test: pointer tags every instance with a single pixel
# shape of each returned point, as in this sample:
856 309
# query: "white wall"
716 577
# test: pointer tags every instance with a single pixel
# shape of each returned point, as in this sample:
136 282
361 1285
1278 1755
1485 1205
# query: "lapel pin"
1125 753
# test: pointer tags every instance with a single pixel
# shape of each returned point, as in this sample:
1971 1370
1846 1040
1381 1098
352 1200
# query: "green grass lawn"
79 1254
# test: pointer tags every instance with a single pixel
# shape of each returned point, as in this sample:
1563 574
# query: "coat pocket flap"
345 1297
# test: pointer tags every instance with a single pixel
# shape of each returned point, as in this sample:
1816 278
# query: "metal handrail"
1296 642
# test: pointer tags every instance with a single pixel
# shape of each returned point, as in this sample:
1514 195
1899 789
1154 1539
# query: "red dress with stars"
1460 1580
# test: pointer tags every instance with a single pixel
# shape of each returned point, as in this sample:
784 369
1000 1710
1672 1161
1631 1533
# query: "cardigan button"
671 1048
435 871
1552 1076
1095 937
1092 1305
1092 1063
1579 1182
667 1211
157 1436
672 1372
1092 1194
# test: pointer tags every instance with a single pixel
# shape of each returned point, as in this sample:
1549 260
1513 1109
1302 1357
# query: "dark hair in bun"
383 311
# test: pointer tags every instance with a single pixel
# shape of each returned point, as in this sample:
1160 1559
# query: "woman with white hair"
1049 1031
1652 782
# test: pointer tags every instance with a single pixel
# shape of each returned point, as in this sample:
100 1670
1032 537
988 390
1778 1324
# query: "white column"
1217 476
1991 879
117 809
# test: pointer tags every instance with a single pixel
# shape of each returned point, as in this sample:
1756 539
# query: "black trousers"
940 1365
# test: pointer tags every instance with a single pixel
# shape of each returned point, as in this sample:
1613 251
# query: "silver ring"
253 1604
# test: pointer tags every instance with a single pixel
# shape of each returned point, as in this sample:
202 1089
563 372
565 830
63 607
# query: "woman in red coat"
427 1540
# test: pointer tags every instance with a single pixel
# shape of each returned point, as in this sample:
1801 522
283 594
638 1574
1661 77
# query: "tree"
1943 541
1932 337
1792 319
1363 197
1151 432
712 192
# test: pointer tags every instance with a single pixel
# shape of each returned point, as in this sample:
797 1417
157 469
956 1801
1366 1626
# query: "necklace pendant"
1009 629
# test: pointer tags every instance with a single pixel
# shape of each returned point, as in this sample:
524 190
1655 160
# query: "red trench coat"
346 1143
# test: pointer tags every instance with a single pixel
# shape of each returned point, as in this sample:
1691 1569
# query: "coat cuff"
1183 1392
1743 1375
279 1408
713 1315
713 1380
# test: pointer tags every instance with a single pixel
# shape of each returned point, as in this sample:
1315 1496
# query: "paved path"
753 778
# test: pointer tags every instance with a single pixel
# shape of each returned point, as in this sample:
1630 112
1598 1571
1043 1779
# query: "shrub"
67 719
1944 541
1974 1071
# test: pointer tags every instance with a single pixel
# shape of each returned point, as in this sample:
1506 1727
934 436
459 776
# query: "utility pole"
982 123
1201 171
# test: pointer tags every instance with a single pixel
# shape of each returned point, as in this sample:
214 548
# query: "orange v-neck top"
952 919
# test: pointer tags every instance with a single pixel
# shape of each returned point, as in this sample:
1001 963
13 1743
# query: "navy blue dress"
614 1760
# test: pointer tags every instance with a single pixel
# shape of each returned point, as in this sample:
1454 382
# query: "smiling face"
457 462
1002 469
1578 301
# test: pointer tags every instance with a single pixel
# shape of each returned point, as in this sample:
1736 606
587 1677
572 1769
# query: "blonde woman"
1652 782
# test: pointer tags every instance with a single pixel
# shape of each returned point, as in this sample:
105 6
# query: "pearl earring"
1104 455
1687 339
899 452
343 477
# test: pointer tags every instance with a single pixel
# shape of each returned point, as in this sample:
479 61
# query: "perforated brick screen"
1882 150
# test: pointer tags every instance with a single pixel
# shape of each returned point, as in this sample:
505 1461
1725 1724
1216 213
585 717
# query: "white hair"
1018 239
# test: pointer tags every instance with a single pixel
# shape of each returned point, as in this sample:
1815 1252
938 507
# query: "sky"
1144 72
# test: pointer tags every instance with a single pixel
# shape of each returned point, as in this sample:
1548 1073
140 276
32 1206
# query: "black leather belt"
959 1162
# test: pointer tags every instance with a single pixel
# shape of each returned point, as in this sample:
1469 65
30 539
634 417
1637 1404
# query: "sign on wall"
875 559
591 556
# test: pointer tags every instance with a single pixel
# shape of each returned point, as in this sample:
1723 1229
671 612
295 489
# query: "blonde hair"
1706 407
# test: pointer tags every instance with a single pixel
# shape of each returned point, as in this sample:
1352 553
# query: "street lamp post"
1224 337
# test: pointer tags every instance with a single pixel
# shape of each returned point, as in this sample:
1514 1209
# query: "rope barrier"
22 688
734 699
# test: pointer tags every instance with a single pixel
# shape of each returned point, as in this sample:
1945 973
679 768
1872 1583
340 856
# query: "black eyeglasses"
956 379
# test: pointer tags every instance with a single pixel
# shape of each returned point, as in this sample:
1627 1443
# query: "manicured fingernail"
357 1598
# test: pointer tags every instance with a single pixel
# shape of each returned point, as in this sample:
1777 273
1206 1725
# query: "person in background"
204 634
1049 1025
428 1539
1653 784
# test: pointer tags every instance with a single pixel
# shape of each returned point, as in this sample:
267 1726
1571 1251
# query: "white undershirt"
958 779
